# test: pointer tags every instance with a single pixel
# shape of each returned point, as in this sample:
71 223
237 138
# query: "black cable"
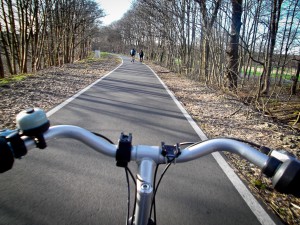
134 206
186 143
231 138
198 142
127 170
131 174
153 205
102 136
128 196
244 141
156 188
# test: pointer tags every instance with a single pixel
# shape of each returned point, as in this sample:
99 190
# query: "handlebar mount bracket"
123 154
170 152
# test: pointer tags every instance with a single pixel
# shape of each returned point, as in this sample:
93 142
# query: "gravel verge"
50 87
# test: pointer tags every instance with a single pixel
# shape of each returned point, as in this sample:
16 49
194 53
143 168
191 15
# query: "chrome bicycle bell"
33 122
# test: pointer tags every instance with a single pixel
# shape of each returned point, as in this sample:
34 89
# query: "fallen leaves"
220 115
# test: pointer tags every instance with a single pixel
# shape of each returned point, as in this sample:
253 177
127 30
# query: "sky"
114 9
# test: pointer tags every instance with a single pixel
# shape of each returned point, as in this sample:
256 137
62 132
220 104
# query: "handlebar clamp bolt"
145 186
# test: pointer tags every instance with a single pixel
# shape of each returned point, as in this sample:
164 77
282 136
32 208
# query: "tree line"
227 43
35 34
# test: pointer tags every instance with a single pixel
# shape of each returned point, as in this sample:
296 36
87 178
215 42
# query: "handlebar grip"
287 178
6 156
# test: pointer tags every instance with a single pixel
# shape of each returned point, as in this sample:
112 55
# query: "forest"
36 34
245 50
249 49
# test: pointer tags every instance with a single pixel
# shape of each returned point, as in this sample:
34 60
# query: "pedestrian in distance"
141 56
132 53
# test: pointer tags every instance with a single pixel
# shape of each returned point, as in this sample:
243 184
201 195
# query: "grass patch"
14 78
92 58
259 184
177 61
104 54
285 76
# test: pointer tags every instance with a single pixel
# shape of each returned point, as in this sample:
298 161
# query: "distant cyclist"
132 53
141 56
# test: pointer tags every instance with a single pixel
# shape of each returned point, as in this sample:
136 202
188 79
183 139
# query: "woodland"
249 49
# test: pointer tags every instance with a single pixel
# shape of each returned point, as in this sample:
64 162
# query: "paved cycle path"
68 183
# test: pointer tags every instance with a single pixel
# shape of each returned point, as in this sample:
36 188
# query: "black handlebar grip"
6 156
17 144
287 178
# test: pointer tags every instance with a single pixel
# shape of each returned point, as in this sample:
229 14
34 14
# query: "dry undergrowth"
219 115
50 87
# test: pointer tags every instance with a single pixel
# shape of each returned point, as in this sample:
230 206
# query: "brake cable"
128 171
102 136
153 205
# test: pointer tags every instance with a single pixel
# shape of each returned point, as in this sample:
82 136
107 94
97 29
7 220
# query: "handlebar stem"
145 190
140 152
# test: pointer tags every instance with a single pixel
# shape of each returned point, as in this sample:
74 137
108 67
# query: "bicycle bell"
33 122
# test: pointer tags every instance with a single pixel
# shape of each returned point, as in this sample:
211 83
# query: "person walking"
141 56
132 53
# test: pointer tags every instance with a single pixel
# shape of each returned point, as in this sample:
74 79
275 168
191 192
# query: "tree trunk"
6 51
295 80
1 65
233 48
207 29
273 33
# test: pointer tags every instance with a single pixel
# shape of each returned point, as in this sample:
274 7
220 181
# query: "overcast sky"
114 9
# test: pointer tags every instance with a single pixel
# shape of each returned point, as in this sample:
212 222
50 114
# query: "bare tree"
48 32
273 28
1 65
233 47
9 35
295 79
208 22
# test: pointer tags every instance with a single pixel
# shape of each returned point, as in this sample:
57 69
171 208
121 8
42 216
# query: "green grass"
259 184
14 78
91 57
286 76
177 61
104 54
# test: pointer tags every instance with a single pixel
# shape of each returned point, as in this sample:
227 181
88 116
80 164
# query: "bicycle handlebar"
285 174
143 151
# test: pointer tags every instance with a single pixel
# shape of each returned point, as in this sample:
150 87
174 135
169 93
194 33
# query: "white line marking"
253 204
63 104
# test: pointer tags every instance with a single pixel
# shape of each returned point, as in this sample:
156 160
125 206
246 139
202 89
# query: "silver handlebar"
33 126
140 152
284 170
77 133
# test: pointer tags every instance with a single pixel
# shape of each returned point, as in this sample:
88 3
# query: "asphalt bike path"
69 183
